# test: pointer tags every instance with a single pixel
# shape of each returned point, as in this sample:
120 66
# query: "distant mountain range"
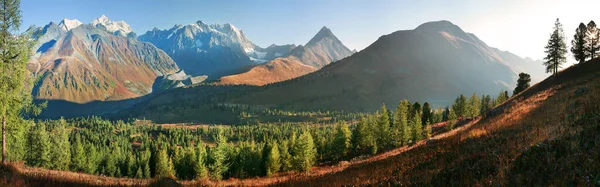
213 50
434 62
321 50
94 62
105 61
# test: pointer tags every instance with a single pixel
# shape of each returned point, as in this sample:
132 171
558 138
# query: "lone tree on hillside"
592 40
522 83
556 49
578 44
15 96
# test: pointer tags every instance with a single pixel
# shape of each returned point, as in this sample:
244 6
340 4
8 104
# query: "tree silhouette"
522 83
556 49
578 43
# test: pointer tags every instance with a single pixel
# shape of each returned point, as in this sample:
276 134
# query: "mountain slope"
214 50
87 64
321 50
434 62
553 124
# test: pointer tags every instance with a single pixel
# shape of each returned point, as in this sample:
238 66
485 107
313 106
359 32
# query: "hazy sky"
519 26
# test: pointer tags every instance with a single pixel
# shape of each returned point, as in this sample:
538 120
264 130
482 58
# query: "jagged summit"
67 24
322 34
117 27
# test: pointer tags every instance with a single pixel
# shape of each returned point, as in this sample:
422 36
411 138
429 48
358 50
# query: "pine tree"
219 156
474 105
556 49
164 166
91 159
578 43
38 153
272 163
15 94
200 164
60 149
304 152
427 115
522 83
403 131
592 39
460 106
341 143
139 173
417 127
383 130
285 156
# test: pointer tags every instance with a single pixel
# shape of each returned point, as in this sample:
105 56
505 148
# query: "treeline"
133 149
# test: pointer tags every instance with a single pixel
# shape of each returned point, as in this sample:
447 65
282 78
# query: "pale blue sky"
519 26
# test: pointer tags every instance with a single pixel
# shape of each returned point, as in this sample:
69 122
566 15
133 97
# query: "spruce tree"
219 156
341 142
522 83
200 163
417 127
38 153
164 167
427 115
592 39
15 94
273 162
403 131
304 152
578 43
383 130
285 157
474 105
60 149
556 49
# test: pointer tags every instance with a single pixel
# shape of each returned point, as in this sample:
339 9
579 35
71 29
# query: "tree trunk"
4 140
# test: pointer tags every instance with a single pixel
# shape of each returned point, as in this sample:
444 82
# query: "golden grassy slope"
277 70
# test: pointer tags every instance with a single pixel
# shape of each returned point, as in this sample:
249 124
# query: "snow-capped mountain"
115 27
68 24
84 62
214 50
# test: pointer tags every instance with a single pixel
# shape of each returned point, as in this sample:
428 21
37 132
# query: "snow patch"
112 26
67 24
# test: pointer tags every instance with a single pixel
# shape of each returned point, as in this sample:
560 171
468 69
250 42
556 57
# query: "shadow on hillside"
68 109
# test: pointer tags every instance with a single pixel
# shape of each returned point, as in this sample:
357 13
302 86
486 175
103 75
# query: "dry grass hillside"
277 70
545 136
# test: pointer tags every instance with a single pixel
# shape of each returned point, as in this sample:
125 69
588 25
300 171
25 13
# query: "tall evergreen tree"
285 156
556 49
383 130
401 118
200 164
592 40
522 83
474 105
341 142
78 160
219 156
38 153
427 115
14 53
304 152
578 43
460 106
164 165
60 149
272 163
417 127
